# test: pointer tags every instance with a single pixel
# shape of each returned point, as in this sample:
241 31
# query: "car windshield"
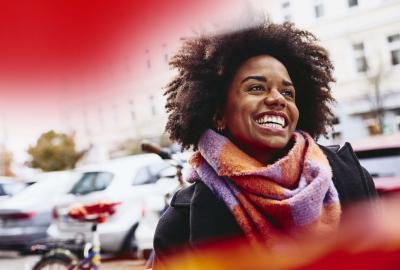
10 188
381 162
150 174
92 181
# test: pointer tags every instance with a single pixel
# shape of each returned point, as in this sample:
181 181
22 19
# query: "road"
12 261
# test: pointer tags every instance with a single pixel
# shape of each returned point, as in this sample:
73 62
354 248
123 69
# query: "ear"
219 121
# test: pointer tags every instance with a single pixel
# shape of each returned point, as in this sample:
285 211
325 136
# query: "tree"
6 159
54 151
375 75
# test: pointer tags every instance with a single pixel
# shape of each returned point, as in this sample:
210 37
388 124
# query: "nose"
274 99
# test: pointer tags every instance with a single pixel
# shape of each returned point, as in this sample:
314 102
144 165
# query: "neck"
266 156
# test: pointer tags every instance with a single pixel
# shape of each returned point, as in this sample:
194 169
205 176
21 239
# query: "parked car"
127 181
25 217
10 187
380 155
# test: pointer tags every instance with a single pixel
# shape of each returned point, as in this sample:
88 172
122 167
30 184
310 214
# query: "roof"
125 163
6 180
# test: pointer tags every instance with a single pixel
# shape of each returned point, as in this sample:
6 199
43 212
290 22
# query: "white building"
129 106
363 39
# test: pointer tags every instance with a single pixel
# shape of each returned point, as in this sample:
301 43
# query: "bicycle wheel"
55 262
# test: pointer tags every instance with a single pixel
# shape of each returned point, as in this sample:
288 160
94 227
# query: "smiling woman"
252 103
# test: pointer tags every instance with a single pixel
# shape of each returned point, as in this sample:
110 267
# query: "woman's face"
260 114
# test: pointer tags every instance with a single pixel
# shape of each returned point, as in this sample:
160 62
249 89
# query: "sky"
46 45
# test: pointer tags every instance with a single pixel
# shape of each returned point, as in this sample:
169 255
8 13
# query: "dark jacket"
197 215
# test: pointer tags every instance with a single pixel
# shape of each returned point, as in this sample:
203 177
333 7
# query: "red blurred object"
99 211
18 215
368 238
55 214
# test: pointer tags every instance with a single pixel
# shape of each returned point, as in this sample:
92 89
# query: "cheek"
295 115
238 121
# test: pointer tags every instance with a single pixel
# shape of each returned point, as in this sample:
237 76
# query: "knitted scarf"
291 196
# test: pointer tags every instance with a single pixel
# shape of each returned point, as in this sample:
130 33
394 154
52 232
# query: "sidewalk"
123 265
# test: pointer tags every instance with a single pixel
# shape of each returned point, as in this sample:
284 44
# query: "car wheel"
130 243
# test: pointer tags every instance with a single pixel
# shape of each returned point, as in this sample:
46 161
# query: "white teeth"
272 121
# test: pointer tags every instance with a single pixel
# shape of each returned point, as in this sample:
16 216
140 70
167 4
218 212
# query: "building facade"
363 39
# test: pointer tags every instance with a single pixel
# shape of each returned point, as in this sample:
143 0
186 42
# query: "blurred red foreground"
369 238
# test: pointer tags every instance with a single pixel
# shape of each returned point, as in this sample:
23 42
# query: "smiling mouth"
272 121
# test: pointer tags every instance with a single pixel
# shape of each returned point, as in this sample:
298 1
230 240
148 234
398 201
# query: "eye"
256 88
287 93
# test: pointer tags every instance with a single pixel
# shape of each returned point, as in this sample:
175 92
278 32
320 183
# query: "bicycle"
65 254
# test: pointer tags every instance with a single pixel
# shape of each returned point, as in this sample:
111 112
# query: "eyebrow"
286 83
263 79
258 78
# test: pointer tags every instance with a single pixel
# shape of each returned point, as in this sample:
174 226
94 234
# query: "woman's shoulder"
173 228
352 181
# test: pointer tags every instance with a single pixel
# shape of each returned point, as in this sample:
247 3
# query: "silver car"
25 217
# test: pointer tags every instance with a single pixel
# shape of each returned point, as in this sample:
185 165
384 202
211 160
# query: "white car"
127 181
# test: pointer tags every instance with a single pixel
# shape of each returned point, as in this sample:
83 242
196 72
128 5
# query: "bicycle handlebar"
152 148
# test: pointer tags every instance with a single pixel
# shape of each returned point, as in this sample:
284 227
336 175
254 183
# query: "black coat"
197 215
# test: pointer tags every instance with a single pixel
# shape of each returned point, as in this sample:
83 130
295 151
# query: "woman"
251 103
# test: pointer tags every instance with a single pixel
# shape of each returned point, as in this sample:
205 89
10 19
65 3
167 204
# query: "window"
149 174
352 3
115 109
397 121
148 62
394 47
132 110
319 9
359 54
153 107
286 11
372 124
101 118
165 52
92 181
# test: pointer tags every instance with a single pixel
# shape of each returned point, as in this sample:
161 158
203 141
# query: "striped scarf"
291 196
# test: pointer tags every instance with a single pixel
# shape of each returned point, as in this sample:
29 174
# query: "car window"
12 188
92 181
102 181
381 162
142 177
149 174
2 191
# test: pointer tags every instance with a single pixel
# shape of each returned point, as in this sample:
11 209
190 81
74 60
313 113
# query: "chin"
275 143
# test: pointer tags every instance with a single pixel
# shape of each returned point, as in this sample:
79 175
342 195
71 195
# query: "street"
12 261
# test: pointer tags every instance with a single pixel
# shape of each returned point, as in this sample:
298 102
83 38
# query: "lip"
275 113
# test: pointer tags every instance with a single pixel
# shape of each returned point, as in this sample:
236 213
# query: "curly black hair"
206 65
